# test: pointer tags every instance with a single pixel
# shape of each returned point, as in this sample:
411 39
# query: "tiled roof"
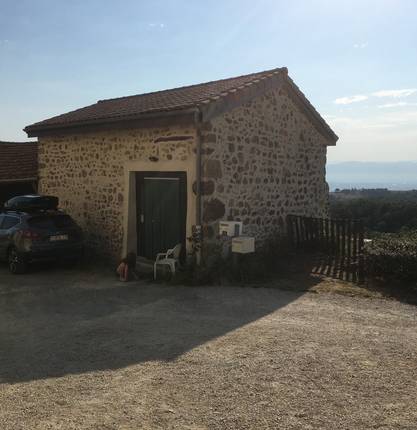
183 100
161 101
18 161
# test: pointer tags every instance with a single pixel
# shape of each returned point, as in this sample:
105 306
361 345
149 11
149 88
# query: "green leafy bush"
393 255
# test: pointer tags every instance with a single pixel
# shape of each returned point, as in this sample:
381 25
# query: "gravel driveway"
79 350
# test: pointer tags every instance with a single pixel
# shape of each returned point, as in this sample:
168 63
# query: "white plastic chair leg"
172 266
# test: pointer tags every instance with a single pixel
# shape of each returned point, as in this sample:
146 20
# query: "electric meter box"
243 244
230 228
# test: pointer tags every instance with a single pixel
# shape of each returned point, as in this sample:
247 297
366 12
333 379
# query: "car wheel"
17 264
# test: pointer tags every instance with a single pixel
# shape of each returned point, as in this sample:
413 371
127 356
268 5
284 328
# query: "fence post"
343 245
332 236
290 230
361 265
327 243
349 247
297 231
338 237
341 239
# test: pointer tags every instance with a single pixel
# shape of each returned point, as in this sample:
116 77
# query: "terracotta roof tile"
174 101
18 161
160 101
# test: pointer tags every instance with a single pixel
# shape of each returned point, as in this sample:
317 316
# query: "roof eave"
178 116
242 95
277 78
313 114
14 180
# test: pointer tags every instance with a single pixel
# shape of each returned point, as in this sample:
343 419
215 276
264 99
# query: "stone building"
139 172
18 169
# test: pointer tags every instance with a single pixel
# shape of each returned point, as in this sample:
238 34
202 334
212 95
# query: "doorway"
161 208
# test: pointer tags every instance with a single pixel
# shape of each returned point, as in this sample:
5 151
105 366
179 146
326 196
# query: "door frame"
140 177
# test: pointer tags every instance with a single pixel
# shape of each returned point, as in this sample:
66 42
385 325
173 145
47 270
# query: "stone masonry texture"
260 162
86 172
266 160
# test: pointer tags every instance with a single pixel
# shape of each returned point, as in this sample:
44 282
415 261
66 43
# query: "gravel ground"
79 350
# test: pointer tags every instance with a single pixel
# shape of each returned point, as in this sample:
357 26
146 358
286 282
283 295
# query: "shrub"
393 255
219 266
385 212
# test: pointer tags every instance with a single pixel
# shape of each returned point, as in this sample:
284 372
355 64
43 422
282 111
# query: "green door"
161 215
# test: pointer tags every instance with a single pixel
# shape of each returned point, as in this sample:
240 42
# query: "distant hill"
399 175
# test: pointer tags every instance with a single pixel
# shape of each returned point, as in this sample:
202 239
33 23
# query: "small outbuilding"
18 169
140 172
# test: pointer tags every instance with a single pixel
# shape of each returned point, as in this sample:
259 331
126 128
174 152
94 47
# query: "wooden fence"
336 243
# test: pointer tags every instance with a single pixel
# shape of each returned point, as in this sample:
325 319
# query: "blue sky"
355 60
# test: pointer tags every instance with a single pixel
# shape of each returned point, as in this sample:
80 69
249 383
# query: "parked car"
33 229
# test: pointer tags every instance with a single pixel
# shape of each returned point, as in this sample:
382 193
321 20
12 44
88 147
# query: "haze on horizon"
355 61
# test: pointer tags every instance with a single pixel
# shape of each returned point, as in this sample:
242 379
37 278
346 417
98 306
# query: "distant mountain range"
399 175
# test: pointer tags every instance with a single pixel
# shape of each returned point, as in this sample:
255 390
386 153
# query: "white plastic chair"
169 258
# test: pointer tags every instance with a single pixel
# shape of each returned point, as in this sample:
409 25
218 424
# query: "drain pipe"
198 116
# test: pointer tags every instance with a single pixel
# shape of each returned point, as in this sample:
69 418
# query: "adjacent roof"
18 161
169 102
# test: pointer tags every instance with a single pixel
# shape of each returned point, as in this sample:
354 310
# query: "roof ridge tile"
173 101
183 87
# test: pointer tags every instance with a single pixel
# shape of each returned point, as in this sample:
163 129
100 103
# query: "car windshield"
48 222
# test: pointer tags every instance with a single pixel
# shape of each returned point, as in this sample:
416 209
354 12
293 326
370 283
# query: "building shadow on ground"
60 328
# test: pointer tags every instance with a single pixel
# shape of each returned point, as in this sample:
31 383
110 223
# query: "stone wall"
262 161
88 174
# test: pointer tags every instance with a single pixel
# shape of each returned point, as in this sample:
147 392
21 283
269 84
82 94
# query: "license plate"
59 237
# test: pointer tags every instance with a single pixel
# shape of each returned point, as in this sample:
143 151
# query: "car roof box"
31 203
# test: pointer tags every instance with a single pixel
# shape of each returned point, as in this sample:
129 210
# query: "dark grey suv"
28 236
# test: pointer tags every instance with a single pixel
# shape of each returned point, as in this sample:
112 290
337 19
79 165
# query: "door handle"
142 218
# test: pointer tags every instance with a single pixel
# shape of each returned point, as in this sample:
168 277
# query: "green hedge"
393 256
